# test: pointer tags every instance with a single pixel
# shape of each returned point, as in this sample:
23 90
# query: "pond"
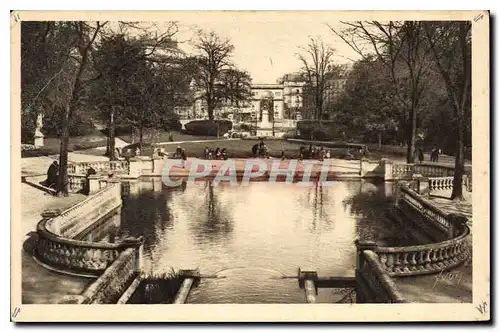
253 237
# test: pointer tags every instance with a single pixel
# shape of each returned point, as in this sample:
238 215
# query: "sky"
268 48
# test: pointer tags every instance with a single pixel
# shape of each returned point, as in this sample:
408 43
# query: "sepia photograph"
250 166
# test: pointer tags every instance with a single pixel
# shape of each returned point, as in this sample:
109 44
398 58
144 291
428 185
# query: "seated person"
52 175
255 150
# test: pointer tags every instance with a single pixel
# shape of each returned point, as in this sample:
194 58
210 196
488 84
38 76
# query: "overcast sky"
267 48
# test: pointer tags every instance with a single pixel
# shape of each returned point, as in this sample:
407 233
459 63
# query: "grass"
164 136
157 288
52 145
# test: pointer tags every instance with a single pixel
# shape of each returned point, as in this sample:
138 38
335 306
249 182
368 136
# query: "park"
156 173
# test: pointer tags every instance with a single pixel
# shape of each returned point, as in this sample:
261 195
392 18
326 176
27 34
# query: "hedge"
208 128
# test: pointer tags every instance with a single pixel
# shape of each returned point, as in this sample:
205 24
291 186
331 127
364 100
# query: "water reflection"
246 232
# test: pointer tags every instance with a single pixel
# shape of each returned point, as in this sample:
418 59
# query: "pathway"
36 280
454 286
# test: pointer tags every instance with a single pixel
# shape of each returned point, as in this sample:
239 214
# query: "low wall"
374 285
109 287
449 231
57 248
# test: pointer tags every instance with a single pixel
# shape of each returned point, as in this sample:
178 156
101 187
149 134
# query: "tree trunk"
63 155
111 135
141 136
412 133
380 141
457 192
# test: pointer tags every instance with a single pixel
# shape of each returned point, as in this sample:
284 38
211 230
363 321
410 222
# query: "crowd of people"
313 152
217 153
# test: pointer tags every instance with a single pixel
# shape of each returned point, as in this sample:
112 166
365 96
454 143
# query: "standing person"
282 154
170 137
438 152
184 158
178 152
205 152
420 155
217 153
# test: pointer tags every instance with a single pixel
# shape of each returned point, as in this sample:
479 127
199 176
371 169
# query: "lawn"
243 148
52 145
162 136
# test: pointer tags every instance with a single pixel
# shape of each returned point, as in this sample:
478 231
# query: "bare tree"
450 43
317 61
213 58
402 47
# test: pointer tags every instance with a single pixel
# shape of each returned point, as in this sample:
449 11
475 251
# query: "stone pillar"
458 221
386 165
134 187
158 164
361 245
135 167
139 259
93 182
422 184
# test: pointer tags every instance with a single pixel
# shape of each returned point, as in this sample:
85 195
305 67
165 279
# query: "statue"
38 130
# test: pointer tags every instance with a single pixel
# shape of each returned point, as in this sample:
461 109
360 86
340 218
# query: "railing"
108 288
101 167
402 171
433 170
427 210
56 246
69 222
373 283
77 182
431 258
446 183
441 183
73 255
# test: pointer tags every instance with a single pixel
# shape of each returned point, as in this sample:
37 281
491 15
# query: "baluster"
405 263
383 260
397 263
427 260
390 262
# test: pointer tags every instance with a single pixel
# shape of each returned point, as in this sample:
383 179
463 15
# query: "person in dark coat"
52 175
184 158
420 155
255 150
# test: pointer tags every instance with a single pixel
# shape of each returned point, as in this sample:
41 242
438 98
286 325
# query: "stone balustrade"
56 246
101 167
449 251
424 259
73 220
374 285
109 287
408 199
446 183
77 182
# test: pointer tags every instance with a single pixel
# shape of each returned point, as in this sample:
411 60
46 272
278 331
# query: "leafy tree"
451 48
367 104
